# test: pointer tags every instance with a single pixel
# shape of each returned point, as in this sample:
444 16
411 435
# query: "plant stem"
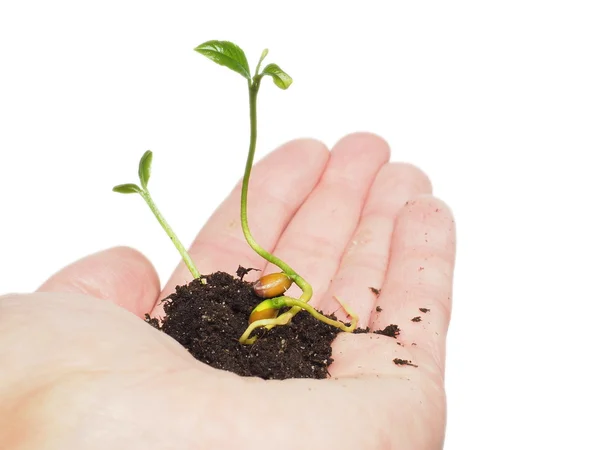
283 319
303 284
182 251
289 301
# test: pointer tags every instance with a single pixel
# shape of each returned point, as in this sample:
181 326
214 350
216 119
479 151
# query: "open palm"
78 372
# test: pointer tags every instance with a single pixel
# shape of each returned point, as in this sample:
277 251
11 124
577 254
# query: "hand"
79 372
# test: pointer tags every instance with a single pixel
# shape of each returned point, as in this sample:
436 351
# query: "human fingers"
120 275
278 185
315 239
416 294
364 263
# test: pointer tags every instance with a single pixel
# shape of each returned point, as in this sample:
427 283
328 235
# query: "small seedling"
265 314
131 188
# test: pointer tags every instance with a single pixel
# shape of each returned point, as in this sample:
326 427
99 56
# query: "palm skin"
79 372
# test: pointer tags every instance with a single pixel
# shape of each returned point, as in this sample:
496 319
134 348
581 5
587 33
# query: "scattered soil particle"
390 330
424 310
375 291
208 319
378 309
242 271
416 319
362 330
404 362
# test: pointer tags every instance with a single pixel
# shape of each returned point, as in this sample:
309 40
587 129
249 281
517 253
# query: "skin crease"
81 370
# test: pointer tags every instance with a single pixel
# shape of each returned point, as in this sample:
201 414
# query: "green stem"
284 319
182 251
289 301
303 284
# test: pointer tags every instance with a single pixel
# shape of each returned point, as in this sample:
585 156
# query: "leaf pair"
143 173
230 55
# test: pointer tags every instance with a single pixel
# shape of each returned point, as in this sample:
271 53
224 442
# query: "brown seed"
268 313
272 285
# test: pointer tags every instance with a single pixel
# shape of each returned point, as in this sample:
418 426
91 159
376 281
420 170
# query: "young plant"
130 188
266 313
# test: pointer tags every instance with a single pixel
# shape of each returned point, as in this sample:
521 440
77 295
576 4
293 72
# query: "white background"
499 102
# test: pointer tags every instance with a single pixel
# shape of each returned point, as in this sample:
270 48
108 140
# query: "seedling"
144 170
230 55
271 287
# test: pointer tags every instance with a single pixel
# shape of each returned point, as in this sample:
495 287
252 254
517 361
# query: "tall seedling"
265 314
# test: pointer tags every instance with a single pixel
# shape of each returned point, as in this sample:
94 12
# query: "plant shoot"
130 188
265 314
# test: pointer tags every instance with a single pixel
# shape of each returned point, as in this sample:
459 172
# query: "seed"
267 313
272 285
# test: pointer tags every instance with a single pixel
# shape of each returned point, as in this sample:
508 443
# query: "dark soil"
390 330
208 319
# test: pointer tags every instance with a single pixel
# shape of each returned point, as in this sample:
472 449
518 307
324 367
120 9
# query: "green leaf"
127 189
226 54
281 79
144 169
262 58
